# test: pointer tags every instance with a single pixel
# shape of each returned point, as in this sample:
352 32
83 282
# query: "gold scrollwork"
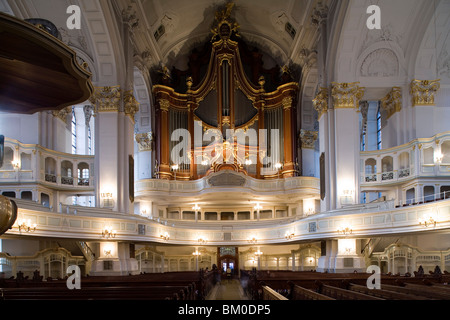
308 138
131 106
392 102
423 92
320 102
106 99
346 95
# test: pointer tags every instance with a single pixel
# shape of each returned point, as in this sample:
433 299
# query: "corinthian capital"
106 99
308 138
346 95
145 141
131 106
392 103
320 102
423 92
320 14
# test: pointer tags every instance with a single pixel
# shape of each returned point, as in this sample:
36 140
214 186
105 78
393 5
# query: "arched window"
50 170
387 168
83 174
371 170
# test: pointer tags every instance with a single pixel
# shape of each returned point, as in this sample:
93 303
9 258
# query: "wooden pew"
343 294
384 294
178 286
270 294
300 293
423 291
92 293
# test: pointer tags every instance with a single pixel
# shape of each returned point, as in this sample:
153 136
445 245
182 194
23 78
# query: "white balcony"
33 164
427 158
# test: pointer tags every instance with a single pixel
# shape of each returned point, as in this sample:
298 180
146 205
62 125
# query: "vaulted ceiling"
280 28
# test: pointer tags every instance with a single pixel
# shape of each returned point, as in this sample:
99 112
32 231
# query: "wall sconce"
252 240
196 253
108 232
15 164
107 252
25 225
345 230
258 253
427 222
165 236
202 241
310 211
248 162
196 208
289 236
438 157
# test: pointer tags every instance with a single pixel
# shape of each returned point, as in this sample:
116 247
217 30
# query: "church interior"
261 145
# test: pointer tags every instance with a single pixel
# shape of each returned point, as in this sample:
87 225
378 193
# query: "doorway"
227 258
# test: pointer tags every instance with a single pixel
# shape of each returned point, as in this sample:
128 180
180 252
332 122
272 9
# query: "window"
89 141
379 129
290 29
363 141
159 32
74 132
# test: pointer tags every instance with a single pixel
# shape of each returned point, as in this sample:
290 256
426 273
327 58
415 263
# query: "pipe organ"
224 119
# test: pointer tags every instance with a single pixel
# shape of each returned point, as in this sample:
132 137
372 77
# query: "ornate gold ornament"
423 92
320 102
225 27
145 141
164 104
308 138
392 103
287 103
346 95
131 106
63 113
106 99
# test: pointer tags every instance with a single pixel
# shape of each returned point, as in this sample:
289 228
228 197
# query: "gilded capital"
164 104
346 95
106 99
320 102
423 92
287 103
62 114
308 138
145 141
131 106
392 103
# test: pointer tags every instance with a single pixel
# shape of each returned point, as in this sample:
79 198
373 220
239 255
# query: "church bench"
422 291
90 293
384 294
300 293
343 294
270 294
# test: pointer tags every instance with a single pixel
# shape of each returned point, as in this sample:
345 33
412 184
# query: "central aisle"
228 290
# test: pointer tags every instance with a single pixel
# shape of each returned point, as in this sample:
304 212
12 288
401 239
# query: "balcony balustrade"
30 164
